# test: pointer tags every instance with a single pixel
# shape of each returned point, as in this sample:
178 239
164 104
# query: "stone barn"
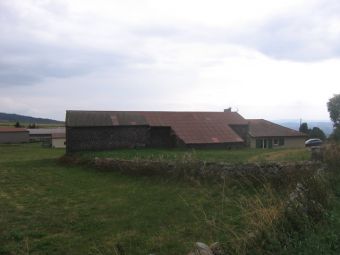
13 135
105 130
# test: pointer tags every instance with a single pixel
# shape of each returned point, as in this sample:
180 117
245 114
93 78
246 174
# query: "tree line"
314 132
333 107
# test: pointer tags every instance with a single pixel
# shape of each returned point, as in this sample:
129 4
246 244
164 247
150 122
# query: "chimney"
227 110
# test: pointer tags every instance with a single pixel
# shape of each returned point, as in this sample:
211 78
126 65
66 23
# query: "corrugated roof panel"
88 118
130 118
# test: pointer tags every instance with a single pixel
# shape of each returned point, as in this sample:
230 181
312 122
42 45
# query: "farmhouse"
266 134
13 135
103 130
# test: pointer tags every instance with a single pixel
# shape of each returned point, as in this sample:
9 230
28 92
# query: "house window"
275 141
281 141
259 143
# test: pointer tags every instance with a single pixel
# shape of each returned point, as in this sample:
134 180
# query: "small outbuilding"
13 135
266 134
58 140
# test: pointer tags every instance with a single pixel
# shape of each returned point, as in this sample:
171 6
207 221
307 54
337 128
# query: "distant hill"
10 117
325 126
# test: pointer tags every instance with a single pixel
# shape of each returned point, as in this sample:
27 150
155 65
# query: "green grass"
232 156
46 208
49 208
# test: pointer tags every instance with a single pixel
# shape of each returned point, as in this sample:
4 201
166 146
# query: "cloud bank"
272 59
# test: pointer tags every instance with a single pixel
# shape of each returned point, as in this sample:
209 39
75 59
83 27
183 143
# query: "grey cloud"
299 36
26 59
24 64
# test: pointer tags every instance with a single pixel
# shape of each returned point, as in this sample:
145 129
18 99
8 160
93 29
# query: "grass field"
48 208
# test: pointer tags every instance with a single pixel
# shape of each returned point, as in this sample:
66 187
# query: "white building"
58 140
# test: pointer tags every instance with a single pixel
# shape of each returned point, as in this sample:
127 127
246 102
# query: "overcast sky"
273 59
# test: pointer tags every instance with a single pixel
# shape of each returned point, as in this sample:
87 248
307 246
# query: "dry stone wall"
201 169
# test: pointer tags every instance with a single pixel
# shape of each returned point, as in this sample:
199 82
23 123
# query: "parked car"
313 142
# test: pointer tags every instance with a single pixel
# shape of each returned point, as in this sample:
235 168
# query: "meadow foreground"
51 208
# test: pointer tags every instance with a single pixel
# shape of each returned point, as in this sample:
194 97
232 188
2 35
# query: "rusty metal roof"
191 127
12 129
265 128
199 127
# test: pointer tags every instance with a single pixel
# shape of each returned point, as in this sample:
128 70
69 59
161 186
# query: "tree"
17 124
317 133
333 106
335 136
32 125
304 128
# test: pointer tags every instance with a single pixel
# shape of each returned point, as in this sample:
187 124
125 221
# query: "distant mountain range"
325 126
10 117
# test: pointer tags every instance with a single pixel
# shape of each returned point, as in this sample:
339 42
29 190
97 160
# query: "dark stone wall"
270 171
161 137
106 138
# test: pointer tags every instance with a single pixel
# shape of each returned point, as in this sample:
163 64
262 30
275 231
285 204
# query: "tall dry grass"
272 215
